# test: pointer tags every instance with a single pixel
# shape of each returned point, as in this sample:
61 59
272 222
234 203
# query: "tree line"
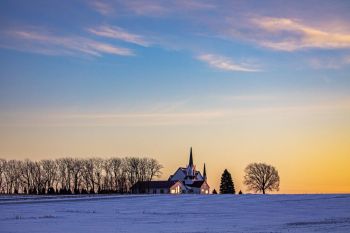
75 176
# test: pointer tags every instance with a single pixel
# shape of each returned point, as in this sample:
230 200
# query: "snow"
175 213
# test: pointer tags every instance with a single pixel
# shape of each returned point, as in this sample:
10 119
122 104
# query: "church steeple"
191 159
204 173
190 170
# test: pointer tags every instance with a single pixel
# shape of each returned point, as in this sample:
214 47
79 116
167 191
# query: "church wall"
177 188
159 191
205 189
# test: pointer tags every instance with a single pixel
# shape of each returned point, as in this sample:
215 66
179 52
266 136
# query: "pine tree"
214 191
226 186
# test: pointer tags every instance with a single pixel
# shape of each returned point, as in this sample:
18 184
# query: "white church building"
184 180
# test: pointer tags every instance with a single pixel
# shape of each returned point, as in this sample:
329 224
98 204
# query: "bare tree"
49 172
116 171
153 168
2 178
123 177
132 168
27 170
62 170
76 168
142 167
87 174
107 166
12 176
261 177
98 172
38 178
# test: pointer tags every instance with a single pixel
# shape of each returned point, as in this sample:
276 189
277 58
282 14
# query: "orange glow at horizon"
311 156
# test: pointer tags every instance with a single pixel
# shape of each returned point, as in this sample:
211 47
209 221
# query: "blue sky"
116 57
113 49
186 69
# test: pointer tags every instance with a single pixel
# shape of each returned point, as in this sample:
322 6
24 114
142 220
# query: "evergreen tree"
226 186
240 192
215 192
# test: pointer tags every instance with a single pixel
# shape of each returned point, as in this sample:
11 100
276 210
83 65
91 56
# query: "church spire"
204 173
191 159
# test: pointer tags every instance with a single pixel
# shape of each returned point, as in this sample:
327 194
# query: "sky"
239 81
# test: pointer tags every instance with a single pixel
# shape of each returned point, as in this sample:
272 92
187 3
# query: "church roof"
196 184
183 169
153 184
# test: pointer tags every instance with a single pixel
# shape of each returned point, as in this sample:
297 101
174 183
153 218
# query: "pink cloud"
34 40
119 34
290 35
224 63
102 7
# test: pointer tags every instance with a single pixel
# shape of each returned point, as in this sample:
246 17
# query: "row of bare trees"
77 176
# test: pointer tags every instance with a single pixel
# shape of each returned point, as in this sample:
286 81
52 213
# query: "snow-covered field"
183 213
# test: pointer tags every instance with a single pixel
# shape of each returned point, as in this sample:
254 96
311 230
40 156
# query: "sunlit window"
176 190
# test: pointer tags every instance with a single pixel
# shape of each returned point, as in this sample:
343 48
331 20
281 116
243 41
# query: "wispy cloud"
290 35
146 8
195 5
212 116
162 8
329 62
150 8
39 41
158 115
119 34
101 7
134 119
224 63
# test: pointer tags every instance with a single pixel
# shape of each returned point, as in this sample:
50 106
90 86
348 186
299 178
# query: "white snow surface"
175 213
